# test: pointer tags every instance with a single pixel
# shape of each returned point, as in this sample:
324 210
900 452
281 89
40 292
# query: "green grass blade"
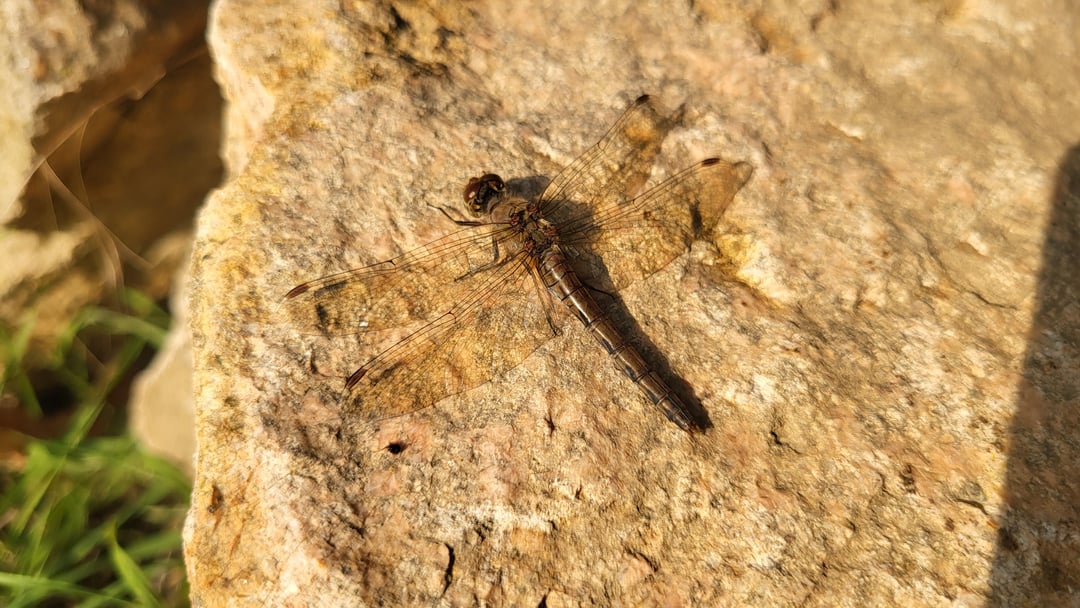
129 572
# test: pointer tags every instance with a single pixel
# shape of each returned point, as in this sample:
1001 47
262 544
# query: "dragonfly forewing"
419 285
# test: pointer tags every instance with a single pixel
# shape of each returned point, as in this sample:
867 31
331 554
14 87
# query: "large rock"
886 353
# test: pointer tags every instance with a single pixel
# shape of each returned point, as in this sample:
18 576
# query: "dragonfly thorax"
537 233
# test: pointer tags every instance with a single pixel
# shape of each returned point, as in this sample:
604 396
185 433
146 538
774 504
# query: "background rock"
94 92
884 336
110 129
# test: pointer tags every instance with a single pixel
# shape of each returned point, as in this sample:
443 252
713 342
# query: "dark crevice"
448 576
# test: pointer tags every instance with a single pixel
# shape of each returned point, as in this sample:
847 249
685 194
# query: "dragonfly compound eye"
481 192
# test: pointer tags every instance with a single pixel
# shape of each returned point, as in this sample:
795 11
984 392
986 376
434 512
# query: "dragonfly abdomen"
562 282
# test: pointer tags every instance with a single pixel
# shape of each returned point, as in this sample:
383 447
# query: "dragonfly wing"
415 286
493 328
615 167
628 242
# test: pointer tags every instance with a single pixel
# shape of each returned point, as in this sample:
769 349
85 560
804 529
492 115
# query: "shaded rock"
111 125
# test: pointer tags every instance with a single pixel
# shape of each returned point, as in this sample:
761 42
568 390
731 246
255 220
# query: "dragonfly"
477 302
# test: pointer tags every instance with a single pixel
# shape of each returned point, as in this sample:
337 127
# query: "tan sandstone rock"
883 334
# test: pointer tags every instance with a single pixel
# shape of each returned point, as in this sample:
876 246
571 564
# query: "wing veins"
606 215
579 171
458 311
439 249
415 286
430 350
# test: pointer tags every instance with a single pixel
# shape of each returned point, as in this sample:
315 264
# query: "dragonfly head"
483 193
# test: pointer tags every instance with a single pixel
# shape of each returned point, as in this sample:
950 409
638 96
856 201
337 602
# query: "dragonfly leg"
495 262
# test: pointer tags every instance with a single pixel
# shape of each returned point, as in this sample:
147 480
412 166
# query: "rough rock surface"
885 335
